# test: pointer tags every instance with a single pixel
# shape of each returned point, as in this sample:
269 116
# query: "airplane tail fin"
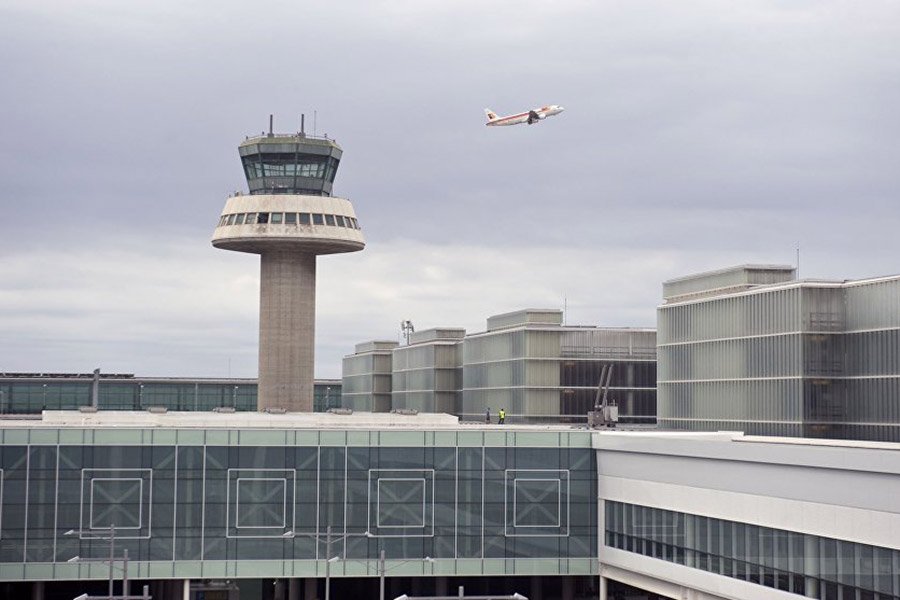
491 115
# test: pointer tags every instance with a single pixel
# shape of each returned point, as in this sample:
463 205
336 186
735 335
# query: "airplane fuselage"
531 117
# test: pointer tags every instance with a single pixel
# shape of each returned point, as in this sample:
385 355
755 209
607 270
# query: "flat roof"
259 420
114 419
735 268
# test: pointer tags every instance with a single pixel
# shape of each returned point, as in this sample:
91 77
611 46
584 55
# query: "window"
329 220
774 558
304 218
318 219
262 218
239 219
251 219
340 220
230 220
277 218
290 218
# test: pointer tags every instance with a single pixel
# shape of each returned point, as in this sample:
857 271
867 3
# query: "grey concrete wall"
287 325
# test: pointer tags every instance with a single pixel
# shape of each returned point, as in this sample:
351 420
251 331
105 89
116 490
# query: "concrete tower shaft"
288 218
287 329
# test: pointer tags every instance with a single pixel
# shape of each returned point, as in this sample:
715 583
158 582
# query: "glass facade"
366 381
253 503
30 394
290 164
808 565
804 359
287 218
542 373
527 363
427 375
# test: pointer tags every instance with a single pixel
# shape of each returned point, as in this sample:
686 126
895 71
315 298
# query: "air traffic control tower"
288 218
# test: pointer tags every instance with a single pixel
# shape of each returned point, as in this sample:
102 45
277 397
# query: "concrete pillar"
441 586
537 589
568 587
604 586
37 590
811 566
310 588
279 591
293 589
186 590
689 541
287 330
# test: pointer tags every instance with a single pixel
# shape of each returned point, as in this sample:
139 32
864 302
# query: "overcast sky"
697 135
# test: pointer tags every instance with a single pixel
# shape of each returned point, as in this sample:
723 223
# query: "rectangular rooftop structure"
528 316
731 279
376 346
437 333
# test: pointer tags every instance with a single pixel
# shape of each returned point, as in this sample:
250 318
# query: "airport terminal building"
254 505
180 485
31 393
526 362
754 349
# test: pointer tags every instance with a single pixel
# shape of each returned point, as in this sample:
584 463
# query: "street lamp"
328 558
112 559
382 570
144 596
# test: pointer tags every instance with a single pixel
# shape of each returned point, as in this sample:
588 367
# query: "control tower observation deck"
288 218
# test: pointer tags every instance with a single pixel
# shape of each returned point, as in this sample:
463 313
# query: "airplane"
531 117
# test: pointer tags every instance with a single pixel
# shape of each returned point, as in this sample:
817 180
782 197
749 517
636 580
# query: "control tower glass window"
290 164
331 170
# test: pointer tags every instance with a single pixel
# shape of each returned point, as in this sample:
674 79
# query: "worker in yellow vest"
502 415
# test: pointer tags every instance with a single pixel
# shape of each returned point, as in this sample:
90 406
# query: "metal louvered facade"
800 358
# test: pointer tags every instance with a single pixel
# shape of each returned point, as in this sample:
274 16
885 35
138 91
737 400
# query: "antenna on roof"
798 260
407 328
271 123
302 124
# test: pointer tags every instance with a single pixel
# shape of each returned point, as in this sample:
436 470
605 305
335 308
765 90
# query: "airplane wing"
533 117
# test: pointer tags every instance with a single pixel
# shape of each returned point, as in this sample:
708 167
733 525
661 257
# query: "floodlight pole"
328 563
112 565
125 573
381 574
112 556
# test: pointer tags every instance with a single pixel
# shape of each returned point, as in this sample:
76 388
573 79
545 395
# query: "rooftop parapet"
731 279
527 316
376 346
437 333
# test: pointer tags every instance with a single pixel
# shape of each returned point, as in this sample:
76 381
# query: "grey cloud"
696 135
